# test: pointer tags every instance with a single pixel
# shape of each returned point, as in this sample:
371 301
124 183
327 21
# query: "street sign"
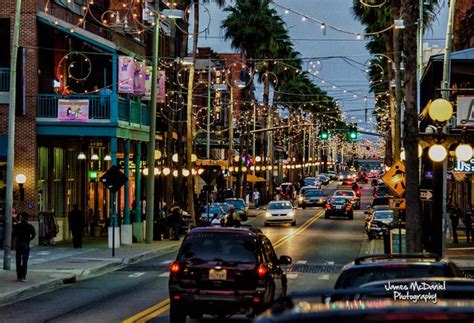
426 195
397 204
394 178
113 179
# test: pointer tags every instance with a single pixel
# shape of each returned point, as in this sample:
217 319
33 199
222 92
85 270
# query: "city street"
139 292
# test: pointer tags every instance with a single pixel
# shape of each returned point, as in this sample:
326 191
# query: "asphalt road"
319 248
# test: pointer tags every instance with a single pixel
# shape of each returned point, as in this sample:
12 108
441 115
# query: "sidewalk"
52 266
462 253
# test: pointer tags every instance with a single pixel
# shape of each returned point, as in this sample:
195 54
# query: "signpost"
426 195
113 180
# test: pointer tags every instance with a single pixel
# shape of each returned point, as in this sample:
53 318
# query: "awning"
255 179
3 147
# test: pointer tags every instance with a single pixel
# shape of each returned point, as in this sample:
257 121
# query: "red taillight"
174 268
261 271
358 192
257 299
328 206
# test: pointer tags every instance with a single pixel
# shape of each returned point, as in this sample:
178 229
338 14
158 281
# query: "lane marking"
167 262
165 274
135 275
329 262
164 306
154 314
301 262
147 311
291 276
323 277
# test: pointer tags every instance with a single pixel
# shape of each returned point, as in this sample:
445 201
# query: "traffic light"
323 134
352 135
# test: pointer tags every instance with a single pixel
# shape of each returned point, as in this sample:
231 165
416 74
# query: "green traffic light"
324 135
353 135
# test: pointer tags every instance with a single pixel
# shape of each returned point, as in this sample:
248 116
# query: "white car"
280 212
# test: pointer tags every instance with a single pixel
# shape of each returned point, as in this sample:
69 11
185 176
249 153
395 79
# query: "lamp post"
20 180
150 182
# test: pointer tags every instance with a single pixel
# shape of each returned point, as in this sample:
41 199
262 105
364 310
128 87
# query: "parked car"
278 212
239 207
209 211
378 222
373 268
312 197
225 271
339 206
350 195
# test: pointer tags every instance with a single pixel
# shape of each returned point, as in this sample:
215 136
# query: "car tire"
293 224
177 314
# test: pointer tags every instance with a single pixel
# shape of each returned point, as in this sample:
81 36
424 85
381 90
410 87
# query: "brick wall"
25 136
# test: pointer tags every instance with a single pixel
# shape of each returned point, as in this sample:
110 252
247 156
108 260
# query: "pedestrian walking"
174 221
455 214
256 198
468 223
76 224
23 233
216 222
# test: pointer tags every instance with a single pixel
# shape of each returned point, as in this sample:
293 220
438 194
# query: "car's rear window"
344 193
313 193
236 203
219 246
358 276
380 201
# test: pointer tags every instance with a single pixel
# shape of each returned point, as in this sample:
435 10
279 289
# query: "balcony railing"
100 108
4 79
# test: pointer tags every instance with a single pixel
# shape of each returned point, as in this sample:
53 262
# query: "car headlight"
267 214
300 199
291 214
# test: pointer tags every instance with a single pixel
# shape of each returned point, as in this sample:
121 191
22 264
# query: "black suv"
395 266
225 271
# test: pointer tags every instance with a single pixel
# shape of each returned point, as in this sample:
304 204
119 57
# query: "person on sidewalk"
174 221
455 214
76 224
256 198
468 223
23 233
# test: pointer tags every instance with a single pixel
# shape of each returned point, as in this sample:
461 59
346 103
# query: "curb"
79 275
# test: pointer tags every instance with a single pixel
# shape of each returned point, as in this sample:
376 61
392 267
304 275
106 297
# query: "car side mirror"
285 260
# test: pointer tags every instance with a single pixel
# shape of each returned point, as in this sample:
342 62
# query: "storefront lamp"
244 169
200 171
81 156
157 154
95 157
437 153
107 158
463 152
166 171
440 110
21 180
185 172
258 159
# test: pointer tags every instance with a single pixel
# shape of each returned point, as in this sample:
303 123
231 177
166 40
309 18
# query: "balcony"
102 108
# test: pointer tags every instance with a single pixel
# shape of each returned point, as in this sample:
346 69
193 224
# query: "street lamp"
20 180
437 153
463 152
440 110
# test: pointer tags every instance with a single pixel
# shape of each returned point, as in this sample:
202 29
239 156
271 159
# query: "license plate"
217 274
338 207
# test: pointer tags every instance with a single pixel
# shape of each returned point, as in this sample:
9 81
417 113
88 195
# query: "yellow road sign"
397 204
395 178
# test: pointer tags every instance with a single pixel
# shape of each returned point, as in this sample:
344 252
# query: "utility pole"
440 169
11 141
208 127
398 83
231 133
150 180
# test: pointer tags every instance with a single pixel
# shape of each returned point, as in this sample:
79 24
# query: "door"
279 279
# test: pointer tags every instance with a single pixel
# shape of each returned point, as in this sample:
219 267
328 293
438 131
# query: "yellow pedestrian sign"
395 178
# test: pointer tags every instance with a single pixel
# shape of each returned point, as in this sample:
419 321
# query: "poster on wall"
465 111
73 110
148 72
139 78
126 74
161 90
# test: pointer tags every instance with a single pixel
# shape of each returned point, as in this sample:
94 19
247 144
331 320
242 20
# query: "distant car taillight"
261 271
348 207
175 268
328 207
358 192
